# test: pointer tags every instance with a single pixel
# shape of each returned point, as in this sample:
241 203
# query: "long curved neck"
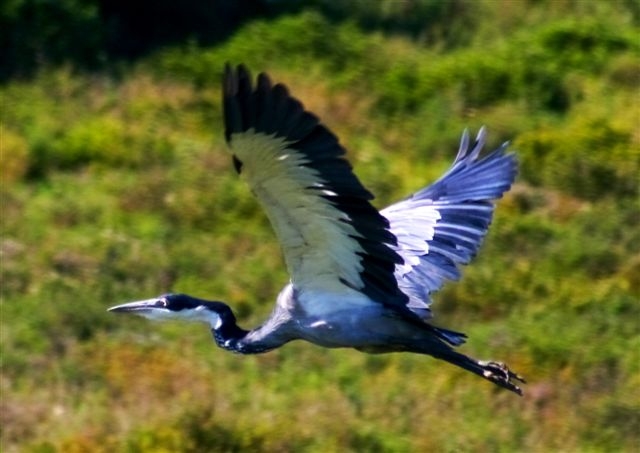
228 335
272 334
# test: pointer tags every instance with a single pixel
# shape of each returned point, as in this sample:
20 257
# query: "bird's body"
360 278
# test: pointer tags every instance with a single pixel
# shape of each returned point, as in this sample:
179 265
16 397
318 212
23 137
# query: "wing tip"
471 152
232 77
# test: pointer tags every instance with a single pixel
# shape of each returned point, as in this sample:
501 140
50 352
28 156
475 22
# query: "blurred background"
116 186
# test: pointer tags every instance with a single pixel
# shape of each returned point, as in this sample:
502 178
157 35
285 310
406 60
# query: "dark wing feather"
332 238
443 225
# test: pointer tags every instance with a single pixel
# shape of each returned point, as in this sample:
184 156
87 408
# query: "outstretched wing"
332 238
442 225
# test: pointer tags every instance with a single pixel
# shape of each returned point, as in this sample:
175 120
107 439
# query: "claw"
500 374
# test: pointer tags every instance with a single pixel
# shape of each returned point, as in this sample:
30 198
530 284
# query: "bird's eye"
161 303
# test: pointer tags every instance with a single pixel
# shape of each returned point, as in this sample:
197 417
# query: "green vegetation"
116 186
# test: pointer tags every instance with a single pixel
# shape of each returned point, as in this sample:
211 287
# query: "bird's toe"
500 374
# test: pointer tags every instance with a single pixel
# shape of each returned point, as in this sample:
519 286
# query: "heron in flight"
359 278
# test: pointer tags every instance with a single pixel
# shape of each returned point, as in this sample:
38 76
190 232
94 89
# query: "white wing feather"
316 238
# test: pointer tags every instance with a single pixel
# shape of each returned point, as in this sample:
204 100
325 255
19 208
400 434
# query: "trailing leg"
496 372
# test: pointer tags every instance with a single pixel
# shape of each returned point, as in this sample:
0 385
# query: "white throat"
198 314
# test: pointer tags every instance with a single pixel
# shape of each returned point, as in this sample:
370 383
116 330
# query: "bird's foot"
501 375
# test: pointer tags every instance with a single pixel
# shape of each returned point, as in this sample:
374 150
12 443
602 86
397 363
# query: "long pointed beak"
139 307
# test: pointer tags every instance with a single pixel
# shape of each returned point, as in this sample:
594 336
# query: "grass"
117 189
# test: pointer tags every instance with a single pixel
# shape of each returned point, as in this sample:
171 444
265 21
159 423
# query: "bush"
588 158
14 157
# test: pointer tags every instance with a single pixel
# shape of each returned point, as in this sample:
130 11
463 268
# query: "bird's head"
182 307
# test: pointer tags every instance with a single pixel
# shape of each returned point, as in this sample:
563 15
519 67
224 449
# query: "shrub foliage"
116 186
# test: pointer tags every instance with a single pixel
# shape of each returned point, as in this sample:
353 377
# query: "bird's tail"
449 336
